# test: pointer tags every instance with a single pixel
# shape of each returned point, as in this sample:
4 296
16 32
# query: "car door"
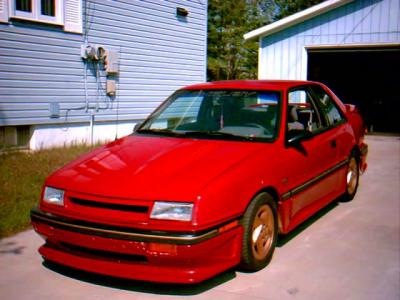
335 120
310 178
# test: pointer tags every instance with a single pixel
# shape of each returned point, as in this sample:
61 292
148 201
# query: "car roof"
277 85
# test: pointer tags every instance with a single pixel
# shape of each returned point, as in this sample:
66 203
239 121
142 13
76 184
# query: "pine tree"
289 7
229 56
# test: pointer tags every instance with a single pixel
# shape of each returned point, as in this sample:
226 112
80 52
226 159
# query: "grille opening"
121 207
99 254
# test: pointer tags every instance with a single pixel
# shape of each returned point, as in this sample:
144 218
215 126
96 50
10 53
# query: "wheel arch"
275 196
356 151
255 255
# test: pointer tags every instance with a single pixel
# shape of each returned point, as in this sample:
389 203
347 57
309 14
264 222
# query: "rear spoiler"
351 108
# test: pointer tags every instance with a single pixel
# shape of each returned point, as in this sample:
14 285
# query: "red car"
205 184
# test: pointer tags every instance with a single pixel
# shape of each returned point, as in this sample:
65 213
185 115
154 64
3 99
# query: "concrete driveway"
348 251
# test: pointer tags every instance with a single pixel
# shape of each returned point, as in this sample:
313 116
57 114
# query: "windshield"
221 114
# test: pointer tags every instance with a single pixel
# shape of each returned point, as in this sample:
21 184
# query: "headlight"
172 211
53 196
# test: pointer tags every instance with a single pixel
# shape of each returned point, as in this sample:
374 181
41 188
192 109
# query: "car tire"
352 178
260 233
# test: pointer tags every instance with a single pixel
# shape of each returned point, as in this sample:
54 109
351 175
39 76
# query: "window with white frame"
48 11
67 13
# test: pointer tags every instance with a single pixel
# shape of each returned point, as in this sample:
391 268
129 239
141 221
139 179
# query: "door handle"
333 143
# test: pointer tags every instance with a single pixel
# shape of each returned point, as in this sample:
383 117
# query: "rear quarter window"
328 106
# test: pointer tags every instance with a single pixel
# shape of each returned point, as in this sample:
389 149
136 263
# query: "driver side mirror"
294 137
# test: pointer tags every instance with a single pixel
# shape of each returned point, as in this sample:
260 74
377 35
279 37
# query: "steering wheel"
255 125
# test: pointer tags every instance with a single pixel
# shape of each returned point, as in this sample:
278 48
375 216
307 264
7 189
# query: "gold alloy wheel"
262 232
352 173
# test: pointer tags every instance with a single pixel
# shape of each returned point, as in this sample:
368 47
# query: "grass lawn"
22 175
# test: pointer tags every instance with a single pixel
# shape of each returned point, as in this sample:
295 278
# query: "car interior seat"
293 120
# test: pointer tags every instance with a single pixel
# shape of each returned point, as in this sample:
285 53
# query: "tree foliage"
229 55
288 7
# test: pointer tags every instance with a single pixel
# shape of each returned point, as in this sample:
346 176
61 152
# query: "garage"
367 77
353 46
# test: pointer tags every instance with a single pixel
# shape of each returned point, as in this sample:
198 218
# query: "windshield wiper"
199 134
160 131
216 134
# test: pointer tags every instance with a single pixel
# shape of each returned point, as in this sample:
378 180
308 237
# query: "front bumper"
141 255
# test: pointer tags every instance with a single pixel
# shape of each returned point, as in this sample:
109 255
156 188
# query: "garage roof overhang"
295 19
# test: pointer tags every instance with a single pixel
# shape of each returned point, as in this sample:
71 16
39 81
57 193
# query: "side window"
66 13
327 105
42 11
302 114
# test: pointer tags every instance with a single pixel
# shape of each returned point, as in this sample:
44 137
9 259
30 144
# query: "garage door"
368 77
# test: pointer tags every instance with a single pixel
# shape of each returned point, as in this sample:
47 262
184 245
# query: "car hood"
152 167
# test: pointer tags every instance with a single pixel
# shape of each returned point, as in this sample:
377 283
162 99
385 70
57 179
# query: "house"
75 71
352 46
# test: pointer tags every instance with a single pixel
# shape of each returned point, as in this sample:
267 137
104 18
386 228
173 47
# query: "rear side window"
328 106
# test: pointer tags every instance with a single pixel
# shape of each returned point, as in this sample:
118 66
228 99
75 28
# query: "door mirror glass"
296 136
